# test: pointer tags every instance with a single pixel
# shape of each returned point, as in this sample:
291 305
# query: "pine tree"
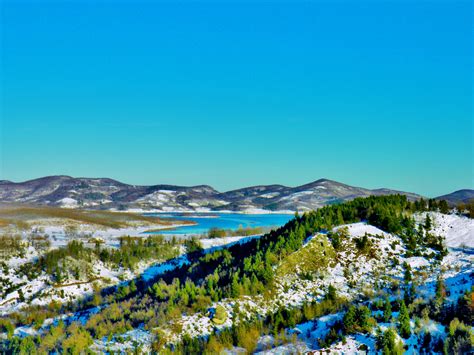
331 294
387 342
440 290
21 295
349 320
27 346
340 219
387 310
407 276
133 286
428 223
235 287
443 207
363 315
409 295
404 321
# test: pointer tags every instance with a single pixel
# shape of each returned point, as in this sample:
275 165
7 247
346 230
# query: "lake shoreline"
245 212
203 222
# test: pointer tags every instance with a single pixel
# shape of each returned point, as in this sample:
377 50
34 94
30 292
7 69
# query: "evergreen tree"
387 342
404 321
24 346
21 295
331 294
349 320
428 224
235 287
443 207
407 276
440 293
387 310
133 286
363 315
409 295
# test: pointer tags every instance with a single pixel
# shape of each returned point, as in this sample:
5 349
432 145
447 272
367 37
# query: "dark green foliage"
459 339
337 237
24 346
356 319
331 293
428 223
21 296
131 251
335 335
443 207
388 344
193 245
410 293
426 343
364 245
387 310
407 276
464 309
404 321
6 326
232 272
241 231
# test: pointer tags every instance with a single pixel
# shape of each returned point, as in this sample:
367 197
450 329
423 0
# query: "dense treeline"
241 231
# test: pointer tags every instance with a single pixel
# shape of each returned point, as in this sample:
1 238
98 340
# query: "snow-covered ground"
42 289
59 236
458 231
351 272
353 275
126 343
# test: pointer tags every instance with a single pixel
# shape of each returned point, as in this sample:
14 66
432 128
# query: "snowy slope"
457 230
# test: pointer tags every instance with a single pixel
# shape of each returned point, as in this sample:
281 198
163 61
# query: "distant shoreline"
247 212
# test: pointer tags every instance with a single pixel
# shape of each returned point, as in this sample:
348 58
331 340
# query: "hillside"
103 193
372 274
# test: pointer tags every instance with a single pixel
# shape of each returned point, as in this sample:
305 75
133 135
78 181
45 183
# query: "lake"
233 221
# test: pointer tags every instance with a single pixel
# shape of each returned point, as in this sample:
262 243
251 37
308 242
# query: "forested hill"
232 297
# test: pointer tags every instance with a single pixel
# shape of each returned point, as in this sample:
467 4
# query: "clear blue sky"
374 94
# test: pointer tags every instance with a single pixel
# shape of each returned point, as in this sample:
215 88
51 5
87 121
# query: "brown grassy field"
22 216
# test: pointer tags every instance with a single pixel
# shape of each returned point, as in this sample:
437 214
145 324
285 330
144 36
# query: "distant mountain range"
457 197
103 193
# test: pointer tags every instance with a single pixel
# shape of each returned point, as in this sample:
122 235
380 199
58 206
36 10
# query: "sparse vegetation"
21 215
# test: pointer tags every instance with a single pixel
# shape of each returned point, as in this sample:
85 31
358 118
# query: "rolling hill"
104 193
457 197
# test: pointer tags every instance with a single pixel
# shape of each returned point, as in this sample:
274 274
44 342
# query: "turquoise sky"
374 94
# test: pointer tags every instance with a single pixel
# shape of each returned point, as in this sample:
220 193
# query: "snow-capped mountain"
106 193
